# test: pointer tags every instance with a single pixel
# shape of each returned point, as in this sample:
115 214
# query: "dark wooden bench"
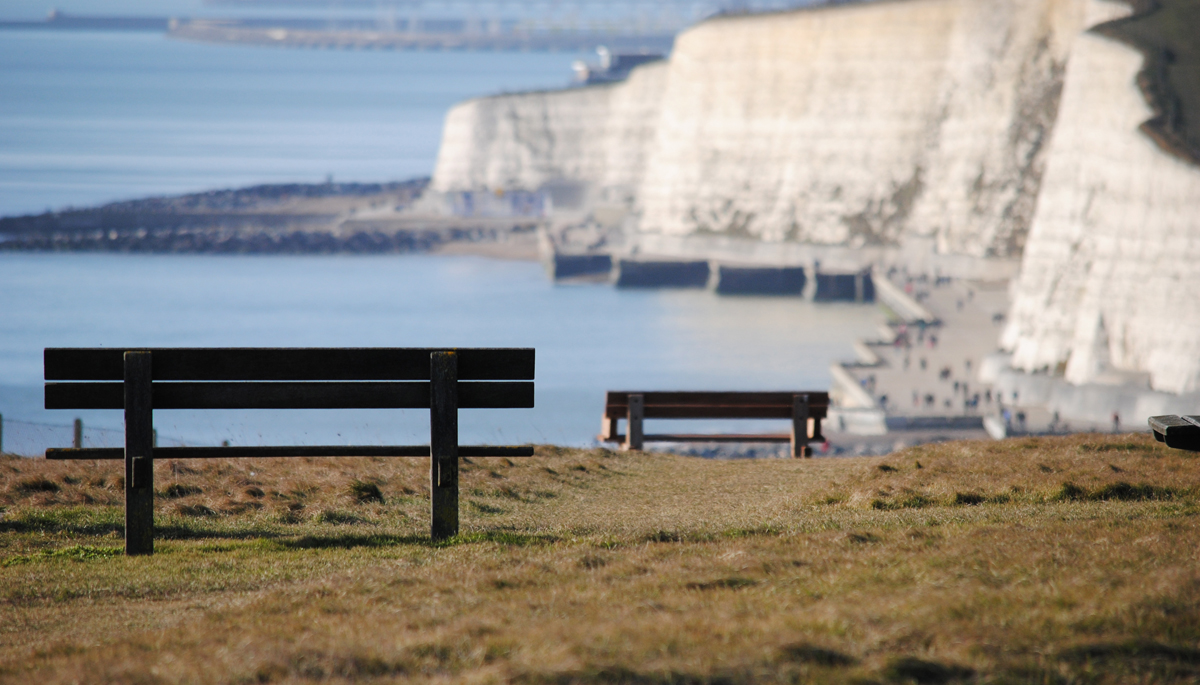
142 380
1180 432
805 409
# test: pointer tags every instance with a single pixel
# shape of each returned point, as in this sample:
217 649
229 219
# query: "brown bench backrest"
716 405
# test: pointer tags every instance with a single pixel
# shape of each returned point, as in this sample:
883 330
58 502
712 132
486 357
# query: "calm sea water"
91 117
88 117
588 338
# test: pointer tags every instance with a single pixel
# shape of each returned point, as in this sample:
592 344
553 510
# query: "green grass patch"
74 552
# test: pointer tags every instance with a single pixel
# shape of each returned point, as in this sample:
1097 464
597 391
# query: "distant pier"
421 38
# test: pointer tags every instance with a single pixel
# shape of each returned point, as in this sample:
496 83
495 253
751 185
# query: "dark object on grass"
366 492
812 654
910 669
176 490
1180 432
37 484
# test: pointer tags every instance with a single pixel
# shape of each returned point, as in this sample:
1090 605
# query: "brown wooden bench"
805 409
1180 432
140 381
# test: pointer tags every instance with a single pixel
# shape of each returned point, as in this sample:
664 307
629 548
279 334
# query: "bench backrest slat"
715 405
256 395
730 412
288 364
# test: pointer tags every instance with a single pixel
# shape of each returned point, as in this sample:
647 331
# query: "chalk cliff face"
851 125
1109 278
857 124
596 136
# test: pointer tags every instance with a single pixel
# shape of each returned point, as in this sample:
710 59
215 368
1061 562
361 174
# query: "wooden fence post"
633 430
443 444
78 442
800 426
139 455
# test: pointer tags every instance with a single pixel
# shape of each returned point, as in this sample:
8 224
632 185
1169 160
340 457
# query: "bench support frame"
139 455
635 423
443 445
799 442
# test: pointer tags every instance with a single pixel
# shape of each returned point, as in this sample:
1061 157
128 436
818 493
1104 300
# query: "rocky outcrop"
1108 285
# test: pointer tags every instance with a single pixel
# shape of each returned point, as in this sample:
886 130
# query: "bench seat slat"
288 364
116 453
707 437
273 395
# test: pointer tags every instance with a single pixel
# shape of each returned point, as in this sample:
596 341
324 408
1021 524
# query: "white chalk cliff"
846 125
1110 276
596 137
995 127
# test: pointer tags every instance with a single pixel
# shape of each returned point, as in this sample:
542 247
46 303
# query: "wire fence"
32 439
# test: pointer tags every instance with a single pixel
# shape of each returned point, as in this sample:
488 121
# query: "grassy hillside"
1168 34
1037 560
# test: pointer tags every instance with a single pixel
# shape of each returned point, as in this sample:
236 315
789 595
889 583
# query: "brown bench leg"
139 455
633 428
608 428
443 445
800 426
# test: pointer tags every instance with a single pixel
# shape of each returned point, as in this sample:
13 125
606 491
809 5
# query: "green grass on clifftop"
1063 560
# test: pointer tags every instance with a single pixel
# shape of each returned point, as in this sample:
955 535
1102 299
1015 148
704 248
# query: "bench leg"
633 427
608 428
443 445
800 426
139 455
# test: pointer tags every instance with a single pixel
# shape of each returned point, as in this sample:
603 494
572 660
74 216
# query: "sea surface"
88 117
588 338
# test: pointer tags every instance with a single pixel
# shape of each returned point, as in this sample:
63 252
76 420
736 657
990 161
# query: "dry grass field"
1065 560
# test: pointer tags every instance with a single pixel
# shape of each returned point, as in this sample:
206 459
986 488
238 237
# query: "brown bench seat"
804 408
